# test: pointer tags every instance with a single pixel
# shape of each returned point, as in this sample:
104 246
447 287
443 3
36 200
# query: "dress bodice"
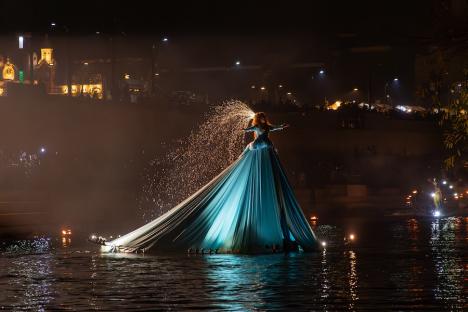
262 139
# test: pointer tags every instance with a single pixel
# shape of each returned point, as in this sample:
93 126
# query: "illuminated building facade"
45 69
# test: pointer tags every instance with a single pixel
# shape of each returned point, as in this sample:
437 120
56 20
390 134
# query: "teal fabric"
249 208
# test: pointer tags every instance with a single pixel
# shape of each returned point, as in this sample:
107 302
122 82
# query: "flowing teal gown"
250 207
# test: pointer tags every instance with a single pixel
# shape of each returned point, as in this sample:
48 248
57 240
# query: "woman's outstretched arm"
249 129
280 127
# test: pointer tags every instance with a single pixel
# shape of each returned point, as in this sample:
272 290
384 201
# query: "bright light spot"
43 150
165 39
402 108
444 182
433 195
127 76
321 72
351 236
324 243
20 42
395 79
313 218
436 213
156 74
415 192
280 86
85 63
52 24
289 93
335 105
64 232
237 63
262 88
450 186
252 86
355 89
98 32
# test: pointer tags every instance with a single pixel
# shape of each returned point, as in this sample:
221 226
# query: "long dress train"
250 207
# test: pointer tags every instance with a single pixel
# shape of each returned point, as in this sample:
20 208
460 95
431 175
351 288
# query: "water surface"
402 264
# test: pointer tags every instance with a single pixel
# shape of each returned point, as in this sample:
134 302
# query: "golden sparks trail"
193 162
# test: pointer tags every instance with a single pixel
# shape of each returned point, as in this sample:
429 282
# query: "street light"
321 72
237 63
395 79
355 89
165 39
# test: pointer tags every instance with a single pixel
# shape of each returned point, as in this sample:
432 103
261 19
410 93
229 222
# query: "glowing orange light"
415 192
64 232
351 236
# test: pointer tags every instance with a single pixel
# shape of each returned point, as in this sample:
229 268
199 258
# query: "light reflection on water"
398 265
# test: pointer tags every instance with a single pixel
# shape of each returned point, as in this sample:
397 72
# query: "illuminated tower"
45 68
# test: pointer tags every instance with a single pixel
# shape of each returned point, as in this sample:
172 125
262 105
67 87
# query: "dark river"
393 264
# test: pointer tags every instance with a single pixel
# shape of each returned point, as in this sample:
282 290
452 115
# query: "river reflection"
399 265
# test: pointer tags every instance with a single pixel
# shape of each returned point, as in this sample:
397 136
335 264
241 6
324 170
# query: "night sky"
387 20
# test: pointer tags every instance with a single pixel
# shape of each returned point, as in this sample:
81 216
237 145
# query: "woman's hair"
256 120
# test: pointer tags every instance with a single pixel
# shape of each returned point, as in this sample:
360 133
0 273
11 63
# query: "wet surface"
399 264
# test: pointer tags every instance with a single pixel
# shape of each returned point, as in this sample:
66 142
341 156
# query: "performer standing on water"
248 208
